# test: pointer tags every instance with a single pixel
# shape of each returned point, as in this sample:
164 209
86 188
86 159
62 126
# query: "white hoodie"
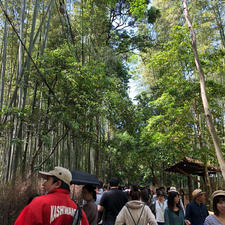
135 207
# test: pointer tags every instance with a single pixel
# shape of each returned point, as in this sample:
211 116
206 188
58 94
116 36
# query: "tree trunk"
47 28
20 53
219 22
154 176
98 132
82 33
3 59
30 51
42 21
208 184
19 124
203 94
201 144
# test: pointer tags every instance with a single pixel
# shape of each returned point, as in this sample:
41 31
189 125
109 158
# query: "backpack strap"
153 208
77 216
139 216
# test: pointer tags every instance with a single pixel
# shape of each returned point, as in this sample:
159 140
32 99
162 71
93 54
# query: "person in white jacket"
135 212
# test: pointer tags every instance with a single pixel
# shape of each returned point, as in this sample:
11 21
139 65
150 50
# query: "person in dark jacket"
90 208
112 202
196 211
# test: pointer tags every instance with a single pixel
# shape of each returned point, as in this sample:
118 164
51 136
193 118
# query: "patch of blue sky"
136 84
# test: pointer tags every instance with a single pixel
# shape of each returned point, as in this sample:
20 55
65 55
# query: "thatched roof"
190 166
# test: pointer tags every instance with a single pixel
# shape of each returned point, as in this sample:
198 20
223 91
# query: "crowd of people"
110 204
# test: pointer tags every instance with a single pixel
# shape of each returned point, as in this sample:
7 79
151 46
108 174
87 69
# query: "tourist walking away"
196 211
160 206
219 209
99 192
145 196
90 208
174 214
54 208
112 202
135 212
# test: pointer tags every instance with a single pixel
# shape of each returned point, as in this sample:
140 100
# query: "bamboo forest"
125 88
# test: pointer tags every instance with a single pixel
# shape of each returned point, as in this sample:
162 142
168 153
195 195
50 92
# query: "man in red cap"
54 208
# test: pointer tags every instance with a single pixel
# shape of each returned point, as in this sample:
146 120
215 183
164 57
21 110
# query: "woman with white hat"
174 214
219 209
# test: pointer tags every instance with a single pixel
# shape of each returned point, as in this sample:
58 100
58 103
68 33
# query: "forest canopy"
64 83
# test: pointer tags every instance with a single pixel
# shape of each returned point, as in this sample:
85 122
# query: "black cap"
160 193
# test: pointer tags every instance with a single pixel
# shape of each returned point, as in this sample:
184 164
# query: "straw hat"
173 189
197 192
218 193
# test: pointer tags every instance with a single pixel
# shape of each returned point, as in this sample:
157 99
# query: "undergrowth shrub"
14 197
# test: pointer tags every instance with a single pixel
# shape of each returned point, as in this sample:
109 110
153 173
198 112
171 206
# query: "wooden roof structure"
188 166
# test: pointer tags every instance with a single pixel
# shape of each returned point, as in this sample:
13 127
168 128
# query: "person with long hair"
90 208
219 209
174 214
135 211
145 196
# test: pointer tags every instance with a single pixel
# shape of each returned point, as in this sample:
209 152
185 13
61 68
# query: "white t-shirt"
159 209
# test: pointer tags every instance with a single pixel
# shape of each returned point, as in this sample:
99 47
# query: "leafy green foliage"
153 14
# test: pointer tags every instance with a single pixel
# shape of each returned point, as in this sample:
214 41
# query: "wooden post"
190 188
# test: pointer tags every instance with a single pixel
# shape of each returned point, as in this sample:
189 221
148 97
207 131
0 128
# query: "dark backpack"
152 207
77 217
